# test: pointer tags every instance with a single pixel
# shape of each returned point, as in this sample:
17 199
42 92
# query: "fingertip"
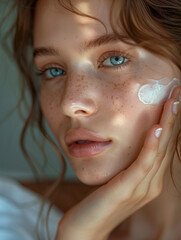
167 110
176 92
153 134
156 131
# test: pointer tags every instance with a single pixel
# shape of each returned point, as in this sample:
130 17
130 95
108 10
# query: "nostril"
80 112
82 107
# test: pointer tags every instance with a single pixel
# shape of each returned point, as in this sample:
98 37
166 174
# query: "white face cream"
155 92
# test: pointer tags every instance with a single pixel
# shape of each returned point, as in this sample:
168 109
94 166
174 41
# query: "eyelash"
42 72
113 54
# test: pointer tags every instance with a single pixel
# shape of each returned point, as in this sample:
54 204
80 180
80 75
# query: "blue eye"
115 61
54 72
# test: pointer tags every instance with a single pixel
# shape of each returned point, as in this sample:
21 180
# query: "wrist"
67 230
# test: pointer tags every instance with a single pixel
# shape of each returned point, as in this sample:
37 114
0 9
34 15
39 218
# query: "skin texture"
108 96
99 98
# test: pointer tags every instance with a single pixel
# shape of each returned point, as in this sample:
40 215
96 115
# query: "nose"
81 107
79 100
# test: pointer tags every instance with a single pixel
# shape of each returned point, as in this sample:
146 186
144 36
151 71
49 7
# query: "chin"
93 179
93 182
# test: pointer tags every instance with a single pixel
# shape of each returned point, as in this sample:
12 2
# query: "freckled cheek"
50 107
122 97
125 104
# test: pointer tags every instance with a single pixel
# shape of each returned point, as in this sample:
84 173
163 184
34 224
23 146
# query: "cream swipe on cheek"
157 91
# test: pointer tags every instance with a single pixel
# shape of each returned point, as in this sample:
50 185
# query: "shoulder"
19 210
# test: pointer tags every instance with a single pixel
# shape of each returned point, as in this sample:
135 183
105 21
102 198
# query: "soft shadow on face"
102 168
100 99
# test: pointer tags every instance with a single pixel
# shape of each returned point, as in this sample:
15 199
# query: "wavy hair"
154 25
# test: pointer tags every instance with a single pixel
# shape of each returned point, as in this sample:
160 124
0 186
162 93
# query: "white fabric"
19 209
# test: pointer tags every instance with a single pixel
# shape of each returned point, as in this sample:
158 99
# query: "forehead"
53 24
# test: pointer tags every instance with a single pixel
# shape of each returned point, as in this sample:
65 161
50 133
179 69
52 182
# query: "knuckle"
160 154
126 196
155 191
146 167
146 164
139 196
172 147
150 148
170 123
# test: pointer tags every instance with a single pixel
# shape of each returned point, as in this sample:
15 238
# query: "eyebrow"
100 40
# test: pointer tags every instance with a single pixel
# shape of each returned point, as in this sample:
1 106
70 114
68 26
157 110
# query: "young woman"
110 87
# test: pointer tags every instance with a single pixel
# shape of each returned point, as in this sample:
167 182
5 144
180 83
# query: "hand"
98 214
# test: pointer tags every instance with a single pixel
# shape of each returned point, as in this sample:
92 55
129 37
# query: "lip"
98 144
74 135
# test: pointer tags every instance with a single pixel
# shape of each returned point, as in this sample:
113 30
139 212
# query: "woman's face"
97 86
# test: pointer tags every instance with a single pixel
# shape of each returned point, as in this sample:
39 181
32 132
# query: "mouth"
83 143
86 148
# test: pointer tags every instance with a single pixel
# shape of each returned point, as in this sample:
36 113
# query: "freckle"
123 84
116 85
112 97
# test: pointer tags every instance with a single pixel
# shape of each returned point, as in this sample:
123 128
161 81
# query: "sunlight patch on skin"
83 65
119 120
157 91
83 7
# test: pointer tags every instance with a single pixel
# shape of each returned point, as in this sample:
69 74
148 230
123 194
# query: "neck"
161 218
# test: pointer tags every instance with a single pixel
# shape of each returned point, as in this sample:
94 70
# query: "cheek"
121 96
131 117
49 106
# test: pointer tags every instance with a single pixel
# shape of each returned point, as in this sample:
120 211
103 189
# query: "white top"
19 209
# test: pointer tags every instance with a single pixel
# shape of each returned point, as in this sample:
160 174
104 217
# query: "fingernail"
175 107
158 132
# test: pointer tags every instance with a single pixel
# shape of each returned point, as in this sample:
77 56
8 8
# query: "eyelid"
49 66
112 53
